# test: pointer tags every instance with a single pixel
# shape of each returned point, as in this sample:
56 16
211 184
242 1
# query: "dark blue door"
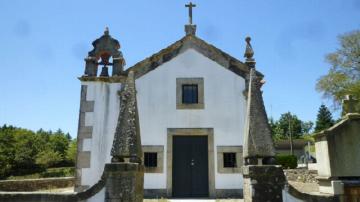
190 166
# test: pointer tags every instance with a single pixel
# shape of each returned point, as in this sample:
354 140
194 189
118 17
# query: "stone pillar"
125 173
90 67
263 180
190 29
124 182
118 65
263 183
350 105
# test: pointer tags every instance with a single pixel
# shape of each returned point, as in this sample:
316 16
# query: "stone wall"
300 196
36 184
301 175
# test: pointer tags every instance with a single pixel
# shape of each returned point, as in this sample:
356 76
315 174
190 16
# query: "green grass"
50 172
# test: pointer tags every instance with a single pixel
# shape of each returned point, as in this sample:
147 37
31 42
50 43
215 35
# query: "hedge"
287 161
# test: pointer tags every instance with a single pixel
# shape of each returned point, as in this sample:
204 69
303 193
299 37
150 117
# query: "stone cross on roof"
349 104
190 6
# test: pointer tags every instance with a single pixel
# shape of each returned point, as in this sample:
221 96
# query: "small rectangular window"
190 94
150 159
229 160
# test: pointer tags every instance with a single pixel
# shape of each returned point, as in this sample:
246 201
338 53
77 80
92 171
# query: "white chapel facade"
191 100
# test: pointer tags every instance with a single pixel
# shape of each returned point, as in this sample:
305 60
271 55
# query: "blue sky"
43 44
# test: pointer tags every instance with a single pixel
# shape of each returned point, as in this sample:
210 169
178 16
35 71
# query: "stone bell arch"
105 49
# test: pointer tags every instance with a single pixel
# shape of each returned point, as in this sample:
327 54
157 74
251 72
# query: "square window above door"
190 93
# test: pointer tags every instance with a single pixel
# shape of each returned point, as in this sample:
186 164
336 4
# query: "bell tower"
99 109
105 49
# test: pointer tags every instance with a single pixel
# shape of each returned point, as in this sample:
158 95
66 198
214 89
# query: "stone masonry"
84 132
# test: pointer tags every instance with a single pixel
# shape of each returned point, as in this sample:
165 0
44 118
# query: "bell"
104 71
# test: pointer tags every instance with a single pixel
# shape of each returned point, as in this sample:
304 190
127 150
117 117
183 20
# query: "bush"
287 161
59 172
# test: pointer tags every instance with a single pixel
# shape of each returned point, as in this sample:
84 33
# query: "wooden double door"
190 167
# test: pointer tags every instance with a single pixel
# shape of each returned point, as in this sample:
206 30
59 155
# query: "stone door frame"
209 132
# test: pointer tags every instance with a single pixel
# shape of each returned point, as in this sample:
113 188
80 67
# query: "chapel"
191 100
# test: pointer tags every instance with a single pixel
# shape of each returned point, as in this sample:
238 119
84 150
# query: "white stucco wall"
224 109
103 120
322 158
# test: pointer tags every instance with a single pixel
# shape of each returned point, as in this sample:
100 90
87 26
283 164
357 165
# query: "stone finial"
127 143
106 32
249 53
258 144
349 105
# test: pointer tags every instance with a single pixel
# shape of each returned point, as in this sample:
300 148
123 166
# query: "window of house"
190 93
150 159
229 160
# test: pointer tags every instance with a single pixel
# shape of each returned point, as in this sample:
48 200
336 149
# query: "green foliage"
58 172
276 131
289 124
6 151
59 143
308 137
50 172
48 158
287 161
71 152
306 127
343 77
24 151
324 119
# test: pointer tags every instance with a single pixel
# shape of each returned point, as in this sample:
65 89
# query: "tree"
6 151
71 152
48 158
289 124
276 132
23 151
324 119
59 142
306 127
343 77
